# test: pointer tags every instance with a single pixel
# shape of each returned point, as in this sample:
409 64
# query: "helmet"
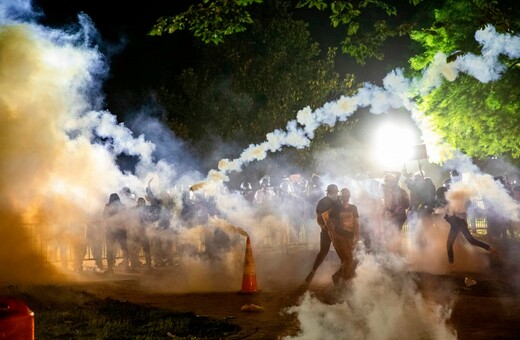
113 198
245 186
126 191
316 181
265 181
286 186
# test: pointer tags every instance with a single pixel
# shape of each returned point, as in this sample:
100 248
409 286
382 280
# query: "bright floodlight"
393 145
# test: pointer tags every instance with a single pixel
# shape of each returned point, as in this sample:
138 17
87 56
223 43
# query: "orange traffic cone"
249 277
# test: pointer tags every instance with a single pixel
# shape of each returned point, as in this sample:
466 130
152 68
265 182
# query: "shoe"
310 276
109 271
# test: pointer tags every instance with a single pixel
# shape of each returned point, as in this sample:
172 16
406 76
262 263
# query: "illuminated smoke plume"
58 166
383 302
58 156
396 92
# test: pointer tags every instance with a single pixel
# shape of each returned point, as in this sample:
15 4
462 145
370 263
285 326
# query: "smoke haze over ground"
59 151
58 166
382 302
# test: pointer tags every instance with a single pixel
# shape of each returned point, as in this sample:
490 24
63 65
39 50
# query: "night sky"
136 59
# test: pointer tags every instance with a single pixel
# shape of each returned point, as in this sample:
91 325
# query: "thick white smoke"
58 160
382 302
59 165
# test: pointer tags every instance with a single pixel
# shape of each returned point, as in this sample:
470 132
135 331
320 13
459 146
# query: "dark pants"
459 225
118 235
95 242
325 243
137 240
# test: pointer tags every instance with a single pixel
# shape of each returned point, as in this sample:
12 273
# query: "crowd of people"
365 211
127 229
339 220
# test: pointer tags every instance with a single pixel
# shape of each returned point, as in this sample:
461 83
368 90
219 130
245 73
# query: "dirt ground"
490 309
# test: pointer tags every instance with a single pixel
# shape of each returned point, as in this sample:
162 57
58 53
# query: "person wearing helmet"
323 205
454 178
114 215
314 189
422 195
137 234
247 191
265 194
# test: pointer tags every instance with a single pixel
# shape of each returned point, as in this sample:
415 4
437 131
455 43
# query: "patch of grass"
66 313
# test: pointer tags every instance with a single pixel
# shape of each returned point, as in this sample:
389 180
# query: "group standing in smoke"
128 227
145 227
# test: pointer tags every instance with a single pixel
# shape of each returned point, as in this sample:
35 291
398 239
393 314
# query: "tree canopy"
273 69
252 84
365 24
481 119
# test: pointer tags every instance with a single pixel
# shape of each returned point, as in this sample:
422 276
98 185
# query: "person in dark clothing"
422 198
515 193
498 224
342 222
313 193
247 192
440 199
137 234
161 210
396 201
458 224
415 185
323 205
454 178
114 216
94 239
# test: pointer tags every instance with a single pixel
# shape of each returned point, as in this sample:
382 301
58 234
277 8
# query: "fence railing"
53 250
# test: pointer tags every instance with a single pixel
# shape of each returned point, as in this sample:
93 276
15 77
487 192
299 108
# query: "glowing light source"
393 145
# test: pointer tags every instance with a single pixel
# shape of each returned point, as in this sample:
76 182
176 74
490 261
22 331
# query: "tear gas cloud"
382 303
59 153
59 164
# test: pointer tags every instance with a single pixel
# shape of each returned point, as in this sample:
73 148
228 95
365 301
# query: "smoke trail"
226 225
396 92
383 301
